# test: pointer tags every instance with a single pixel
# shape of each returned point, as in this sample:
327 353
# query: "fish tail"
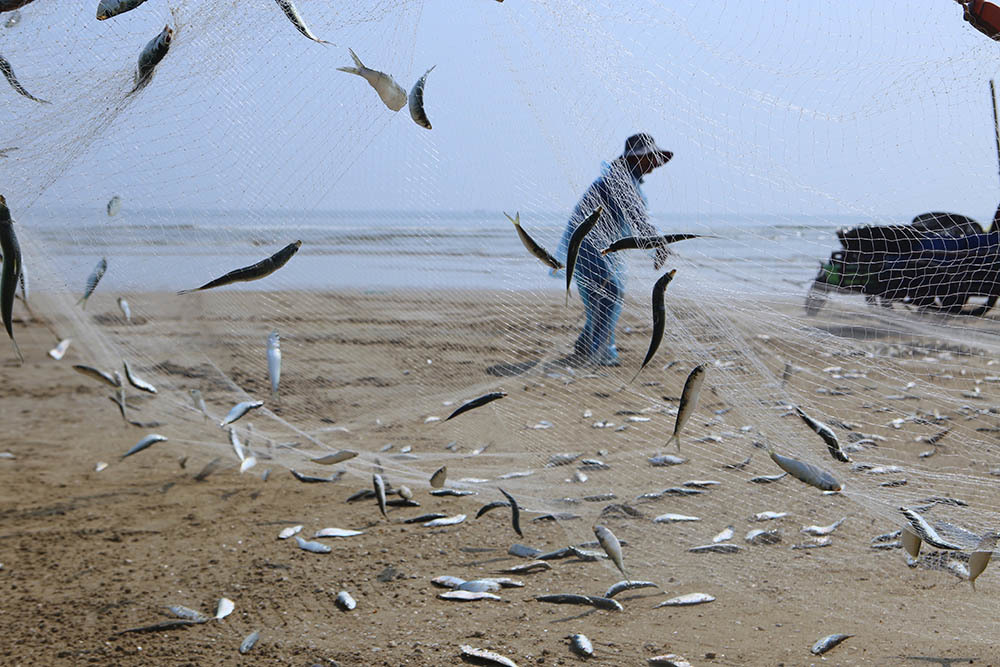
20 356
358 65
675 438
972 582
354 56
515 220
636 374
187 291
83 300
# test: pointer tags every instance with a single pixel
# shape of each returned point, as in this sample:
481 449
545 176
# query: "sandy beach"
87 555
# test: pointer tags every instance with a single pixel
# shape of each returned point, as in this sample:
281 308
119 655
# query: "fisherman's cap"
642 144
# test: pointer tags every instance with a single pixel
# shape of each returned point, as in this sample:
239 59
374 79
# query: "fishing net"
786 122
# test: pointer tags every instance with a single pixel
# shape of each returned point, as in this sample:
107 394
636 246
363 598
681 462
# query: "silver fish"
724 536
293 15
92 280
819 531
689 401
126 311
11 270
719 548
115 203
137 382
766 479
181 611
686 600
827 434
59 350
446 521
627 585
768 516
249 642
659 325
591 600
96 374
580 645
234 440
925 531
336 457
573 249
380 493
274 361
806 472
468 596
391 93
532 246
760 536
483 656
337 532
261 269
535 565
239 410
515 512
827 643
416 100
199 402
151 55
447 581
151 439
667 460
8 72
345 601
674 518
479 586
108 8
668 660
315 547
612 547
439 476
289 532
477 402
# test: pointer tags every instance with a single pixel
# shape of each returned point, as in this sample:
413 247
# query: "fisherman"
601 279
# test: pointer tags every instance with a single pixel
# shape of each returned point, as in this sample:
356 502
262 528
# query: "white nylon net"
787 122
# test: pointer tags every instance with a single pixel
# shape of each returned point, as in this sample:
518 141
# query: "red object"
984 17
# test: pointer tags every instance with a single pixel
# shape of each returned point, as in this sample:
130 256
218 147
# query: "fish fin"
349 70
20 356
516 219
354 56
972 582
675 438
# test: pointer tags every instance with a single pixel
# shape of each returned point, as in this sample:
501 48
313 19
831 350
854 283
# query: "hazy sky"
778 107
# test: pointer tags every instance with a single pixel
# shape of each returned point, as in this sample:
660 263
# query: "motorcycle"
940 262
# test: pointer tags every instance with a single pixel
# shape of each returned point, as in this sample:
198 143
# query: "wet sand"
87 555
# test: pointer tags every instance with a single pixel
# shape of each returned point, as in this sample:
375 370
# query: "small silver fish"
126 311
137 382
827 643
92 280
484 656
446 521
261 269
468 596
150 56
336 457
668 660
532 246
315 547
239 410
580 645
819 531
719 548
11 270
827 434
768 516
674 518
391 93
149 440
447 581
627 585
724 536
181 611
689 401
806 472
515 512
96 374
479 586
8 71
274 361
666 460
573 250
612 547
766 479
416 101
380 493
293 15
591 600
108 8
59 350
289 532
345 601
686 600
533 566
249 642
439 476
115 203
760 536
337 532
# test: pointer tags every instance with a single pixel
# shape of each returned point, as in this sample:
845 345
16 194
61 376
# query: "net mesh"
787 122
